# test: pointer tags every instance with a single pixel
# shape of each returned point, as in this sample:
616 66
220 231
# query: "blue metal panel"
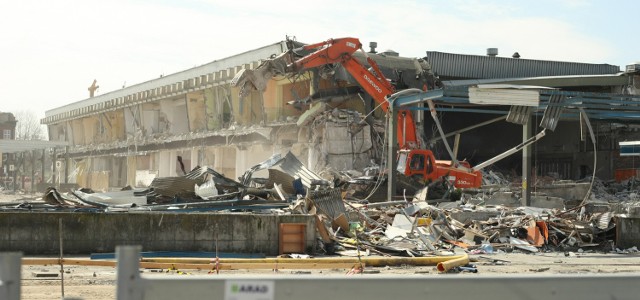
629 148
601 106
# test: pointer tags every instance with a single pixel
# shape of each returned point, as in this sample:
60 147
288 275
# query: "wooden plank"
45 274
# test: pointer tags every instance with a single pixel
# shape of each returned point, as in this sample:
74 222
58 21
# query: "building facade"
196 117
7 126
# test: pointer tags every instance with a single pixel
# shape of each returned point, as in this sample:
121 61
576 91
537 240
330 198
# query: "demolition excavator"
413 161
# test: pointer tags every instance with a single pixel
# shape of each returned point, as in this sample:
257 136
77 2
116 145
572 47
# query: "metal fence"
133 286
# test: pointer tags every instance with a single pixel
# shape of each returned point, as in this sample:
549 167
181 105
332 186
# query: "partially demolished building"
321 124
196 118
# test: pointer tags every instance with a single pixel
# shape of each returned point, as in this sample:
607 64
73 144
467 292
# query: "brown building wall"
7 122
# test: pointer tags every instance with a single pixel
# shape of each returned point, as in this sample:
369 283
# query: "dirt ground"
91 282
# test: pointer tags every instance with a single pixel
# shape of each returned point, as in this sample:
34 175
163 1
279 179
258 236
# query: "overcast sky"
51 51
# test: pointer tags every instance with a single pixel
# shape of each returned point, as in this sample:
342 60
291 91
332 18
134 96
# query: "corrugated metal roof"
548 81
478 66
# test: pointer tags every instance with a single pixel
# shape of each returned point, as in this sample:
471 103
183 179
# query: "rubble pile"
418 229
482 221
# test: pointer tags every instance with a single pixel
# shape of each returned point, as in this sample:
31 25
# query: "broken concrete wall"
225 161
339 142
101 173
151 118
111 126
77 132
347 149
168 164
207 156
186 156
133 121
197 111
272 105
117 167
279 92
57 132
218 107
172 118
92 130
86 233
144 168
250 109
251 155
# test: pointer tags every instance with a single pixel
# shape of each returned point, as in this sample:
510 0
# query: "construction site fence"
131 285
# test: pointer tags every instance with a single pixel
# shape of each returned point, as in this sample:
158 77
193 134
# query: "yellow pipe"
443 263
198 266
450 264
369 261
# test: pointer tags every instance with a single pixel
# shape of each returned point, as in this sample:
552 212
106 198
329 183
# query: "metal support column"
33 171
44 159
66 164
392 164
526 164
16 167
10 268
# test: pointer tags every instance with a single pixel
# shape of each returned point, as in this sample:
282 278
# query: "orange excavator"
413 161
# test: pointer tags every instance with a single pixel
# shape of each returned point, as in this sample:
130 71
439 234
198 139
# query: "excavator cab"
416 163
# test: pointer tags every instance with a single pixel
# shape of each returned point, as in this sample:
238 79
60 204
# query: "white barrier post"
10 275
128 273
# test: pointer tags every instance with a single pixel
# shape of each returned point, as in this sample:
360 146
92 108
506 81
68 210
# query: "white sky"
50 51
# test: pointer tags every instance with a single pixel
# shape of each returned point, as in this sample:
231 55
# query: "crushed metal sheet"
277 177
291 165
328 201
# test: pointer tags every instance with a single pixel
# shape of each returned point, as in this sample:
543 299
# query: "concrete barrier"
83 233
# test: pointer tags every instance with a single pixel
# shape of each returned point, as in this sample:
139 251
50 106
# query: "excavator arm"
373 82
330 52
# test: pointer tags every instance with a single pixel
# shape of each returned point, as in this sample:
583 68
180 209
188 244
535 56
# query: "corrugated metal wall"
477 67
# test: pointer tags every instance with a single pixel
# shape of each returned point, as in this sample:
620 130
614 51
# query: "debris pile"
482 221
417 228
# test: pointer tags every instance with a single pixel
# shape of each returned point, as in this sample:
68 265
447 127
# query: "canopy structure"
14 146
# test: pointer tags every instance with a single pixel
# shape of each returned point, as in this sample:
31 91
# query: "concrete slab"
627 232
547 202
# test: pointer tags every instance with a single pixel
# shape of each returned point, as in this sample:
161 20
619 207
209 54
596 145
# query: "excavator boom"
372 80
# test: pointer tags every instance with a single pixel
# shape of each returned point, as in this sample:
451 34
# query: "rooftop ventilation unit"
492 51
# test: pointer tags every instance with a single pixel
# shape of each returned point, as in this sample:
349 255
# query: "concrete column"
195 158
526 165
241 161
55 169
131 170
166 166
16 167
66 164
